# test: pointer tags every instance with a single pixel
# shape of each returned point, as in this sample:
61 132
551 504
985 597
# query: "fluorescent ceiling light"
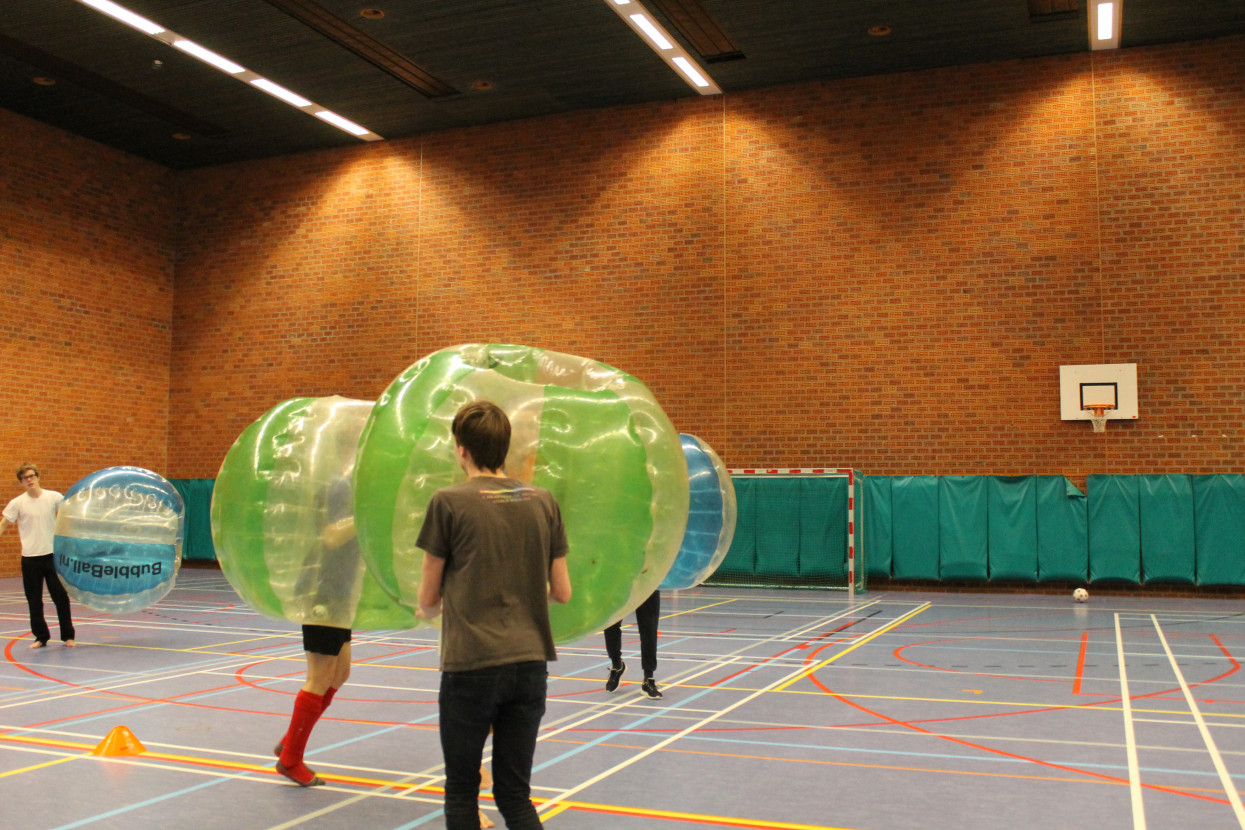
208 56
666 47
229 67
646 26
341 123
126 16
690 72
281 92
1105 23
1106 16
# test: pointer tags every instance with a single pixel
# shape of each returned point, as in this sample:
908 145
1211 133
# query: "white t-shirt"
35 520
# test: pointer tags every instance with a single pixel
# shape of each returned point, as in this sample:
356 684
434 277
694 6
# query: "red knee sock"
328 698
307 708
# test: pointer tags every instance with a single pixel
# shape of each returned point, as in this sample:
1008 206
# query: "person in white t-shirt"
34 513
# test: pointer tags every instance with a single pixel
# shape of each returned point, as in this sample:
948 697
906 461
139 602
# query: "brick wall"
884 272
86 270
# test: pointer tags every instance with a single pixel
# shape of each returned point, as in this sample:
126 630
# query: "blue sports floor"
783 709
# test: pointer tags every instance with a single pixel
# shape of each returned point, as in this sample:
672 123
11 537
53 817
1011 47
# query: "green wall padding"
877 525
778 527
914 522
1012 527
1063 530
962 527
1167 537
1114 529
741 557
822 527
1219 529
196 496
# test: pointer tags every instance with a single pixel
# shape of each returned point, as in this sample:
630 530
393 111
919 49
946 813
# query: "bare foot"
485 821
70 643
486 778
37 644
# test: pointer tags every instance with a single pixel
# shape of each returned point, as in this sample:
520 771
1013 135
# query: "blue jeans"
510 700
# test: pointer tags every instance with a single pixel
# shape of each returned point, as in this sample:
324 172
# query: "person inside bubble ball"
327 647
646 620
34 513
494 558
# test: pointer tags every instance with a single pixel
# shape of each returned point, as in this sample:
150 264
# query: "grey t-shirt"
498 537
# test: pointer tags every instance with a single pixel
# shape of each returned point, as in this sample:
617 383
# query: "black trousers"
37 570
646 620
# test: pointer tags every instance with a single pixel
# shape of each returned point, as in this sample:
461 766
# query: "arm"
4 525
339 533
560 581
430 586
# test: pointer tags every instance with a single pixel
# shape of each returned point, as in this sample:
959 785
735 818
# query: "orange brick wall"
884 272
86 269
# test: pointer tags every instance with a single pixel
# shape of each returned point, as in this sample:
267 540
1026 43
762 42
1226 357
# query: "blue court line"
130 807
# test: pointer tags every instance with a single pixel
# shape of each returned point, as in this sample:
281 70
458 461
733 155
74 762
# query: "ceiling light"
208 56
126 16
1104 24
281 92
660 41
651 31
229 67
341 123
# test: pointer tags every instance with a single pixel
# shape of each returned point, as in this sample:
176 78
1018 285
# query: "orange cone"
120 741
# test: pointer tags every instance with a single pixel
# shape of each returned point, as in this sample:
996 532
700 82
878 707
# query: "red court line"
1080 664
1004 753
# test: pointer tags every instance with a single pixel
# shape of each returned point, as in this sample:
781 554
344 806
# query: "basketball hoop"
1099 418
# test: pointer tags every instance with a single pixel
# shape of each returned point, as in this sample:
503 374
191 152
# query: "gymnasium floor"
783 709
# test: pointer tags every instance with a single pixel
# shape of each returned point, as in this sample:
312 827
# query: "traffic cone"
120 741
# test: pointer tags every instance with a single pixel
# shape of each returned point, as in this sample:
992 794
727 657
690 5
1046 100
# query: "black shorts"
325 639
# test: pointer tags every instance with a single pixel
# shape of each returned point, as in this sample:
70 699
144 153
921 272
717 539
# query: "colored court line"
1229 788
777 686
1004 753
1130 737
1079 674
898 621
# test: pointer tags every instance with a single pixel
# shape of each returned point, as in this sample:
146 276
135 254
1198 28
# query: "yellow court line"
34 767
700 608
892 624
699 818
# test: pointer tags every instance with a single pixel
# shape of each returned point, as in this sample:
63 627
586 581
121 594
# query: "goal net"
796 528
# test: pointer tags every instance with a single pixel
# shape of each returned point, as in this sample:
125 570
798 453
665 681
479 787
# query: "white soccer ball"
1080 595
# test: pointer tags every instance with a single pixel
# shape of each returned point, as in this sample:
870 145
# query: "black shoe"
615 675
649 687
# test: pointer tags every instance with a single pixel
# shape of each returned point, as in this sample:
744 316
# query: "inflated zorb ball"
710 517
593 436
283 520
118 541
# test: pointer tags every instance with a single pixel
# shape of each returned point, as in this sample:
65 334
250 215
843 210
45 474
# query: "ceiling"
425 65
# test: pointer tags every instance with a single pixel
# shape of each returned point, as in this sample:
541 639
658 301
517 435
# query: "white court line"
1228 787
782 681
1130 737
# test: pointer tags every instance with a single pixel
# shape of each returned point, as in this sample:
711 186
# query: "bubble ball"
283 519
710 517
592 435
118 542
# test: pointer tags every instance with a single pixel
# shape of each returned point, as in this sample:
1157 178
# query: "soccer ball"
1080 595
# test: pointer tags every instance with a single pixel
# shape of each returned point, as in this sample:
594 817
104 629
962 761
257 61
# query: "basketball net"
1099 417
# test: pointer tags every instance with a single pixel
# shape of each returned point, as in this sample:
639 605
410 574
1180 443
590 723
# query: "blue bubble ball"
118 543
710 519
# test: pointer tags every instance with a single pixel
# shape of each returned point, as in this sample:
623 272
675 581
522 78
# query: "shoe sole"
316 781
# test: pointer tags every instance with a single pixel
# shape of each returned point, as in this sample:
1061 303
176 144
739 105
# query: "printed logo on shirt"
510 495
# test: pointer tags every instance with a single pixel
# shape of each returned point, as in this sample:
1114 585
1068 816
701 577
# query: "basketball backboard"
1111 385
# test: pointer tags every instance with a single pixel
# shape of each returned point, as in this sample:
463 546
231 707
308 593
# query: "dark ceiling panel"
505 59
